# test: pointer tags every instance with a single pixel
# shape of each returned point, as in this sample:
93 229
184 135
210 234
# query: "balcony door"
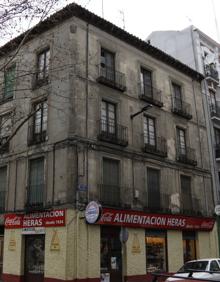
149 131
108 118
146 83
153 189
181 141
177 95
110 189
108 64
186 194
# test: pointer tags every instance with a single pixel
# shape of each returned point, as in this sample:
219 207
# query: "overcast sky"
144 16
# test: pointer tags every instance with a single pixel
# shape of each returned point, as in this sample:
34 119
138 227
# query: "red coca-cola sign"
37 219
140 219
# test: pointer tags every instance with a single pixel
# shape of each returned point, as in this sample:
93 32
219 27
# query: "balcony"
109 195
156 202
36 138
159 148
35 197
2 201
191 206
215 112
150 94
211 73
112 78
113 133
181 108
186 155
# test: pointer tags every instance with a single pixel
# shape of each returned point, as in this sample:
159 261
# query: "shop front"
156 242
25 246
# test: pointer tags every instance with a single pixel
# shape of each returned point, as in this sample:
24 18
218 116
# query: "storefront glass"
189 246
111 259
156 251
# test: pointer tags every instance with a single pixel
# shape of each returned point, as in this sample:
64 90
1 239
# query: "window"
186 194
153 188
212 101
177 95
5 132
189 246
110 188
3 179
108 64
36 182
214 266
217 136
108 117
156 251
38 129
149 131
146 82
43 61
181 141
9 82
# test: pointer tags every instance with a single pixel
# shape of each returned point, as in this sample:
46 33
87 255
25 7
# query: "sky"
144 16
141 17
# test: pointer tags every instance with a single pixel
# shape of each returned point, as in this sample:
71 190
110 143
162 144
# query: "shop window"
189 246
156 251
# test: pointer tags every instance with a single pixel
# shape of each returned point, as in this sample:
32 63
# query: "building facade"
202 53
92 114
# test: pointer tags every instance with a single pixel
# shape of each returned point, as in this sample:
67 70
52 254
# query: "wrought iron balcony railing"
110 195
35 196
211 72
150 94
2 201
111 77
36 137
192 206
186 155
214 111
157 147
112 132
181 108
156 202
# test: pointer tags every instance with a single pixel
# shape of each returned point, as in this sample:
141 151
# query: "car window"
194 265
214 266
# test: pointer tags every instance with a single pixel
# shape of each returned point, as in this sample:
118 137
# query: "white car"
204 269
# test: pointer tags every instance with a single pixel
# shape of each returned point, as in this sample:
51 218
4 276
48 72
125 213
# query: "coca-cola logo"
107 217
12 221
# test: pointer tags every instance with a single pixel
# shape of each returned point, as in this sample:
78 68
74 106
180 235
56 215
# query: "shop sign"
93 212
51 218
55 242
140 219
136 247
33 230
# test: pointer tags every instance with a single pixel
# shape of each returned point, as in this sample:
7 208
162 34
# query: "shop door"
1 255
34 258
111 259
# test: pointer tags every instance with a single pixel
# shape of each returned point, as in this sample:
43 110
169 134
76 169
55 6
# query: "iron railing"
181 108
192 207
214 111
150 94
111 77
110 131
158 148
35 196
36 137
158 202
110 195
186 155
211 71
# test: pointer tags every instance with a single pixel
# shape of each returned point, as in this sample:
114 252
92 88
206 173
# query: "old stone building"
94 114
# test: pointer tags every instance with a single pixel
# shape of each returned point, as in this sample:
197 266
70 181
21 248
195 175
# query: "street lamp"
141 111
